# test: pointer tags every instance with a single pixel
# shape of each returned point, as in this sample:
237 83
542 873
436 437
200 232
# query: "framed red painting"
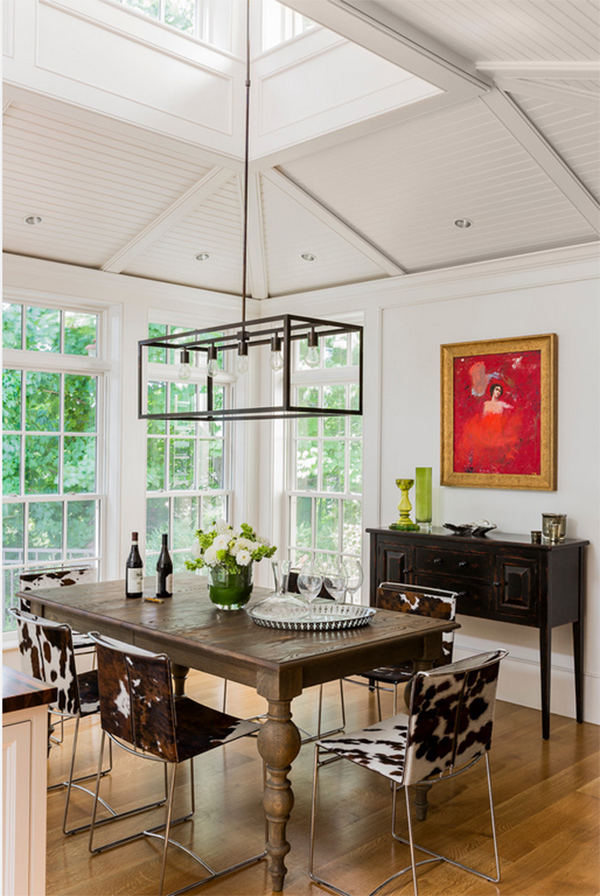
499 413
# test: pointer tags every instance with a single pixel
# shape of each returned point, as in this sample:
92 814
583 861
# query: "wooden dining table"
278 664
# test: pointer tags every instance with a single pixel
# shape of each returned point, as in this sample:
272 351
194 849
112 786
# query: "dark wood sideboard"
498 576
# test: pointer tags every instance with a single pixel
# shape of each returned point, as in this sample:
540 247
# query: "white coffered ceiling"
518 154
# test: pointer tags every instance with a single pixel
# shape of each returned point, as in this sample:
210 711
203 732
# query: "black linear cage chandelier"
279 332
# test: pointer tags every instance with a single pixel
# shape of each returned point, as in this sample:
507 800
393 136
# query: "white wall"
406 321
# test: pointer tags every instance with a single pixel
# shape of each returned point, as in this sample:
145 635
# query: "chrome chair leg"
439 856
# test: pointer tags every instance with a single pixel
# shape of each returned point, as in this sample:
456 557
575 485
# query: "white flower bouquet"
232 550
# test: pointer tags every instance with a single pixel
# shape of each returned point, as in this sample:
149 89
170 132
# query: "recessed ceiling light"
32 220
202 256
308 256
463 223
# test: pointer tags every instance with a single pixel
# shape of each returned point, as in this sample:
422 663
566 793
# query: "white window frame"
169 373
322 377
60 362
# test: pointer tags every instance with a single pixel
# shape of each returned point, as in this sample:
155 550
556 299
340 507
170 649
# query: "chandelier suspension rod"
246 165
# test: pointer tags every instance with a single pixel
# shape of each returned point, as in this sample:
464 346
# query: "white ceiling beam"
514 119
586 100
547 71
369 25
256 240
168 219
351 236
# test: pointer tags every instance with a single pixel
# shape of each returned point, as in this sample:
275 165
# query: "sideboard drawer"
472 564
472 599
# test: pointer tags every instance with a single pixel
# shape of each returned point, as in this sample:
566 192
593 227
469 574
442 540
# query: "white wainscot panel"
342 84
98 57
8 28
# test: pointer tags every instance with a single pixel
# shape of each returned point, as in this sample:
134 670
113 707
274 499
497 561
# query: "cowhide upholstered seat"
138 712
59 578
448 729
420 601
46 651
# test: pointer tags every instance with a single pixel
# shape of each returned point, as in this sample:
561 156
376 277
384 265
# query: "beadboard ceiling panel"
215 229
291 231
517 153
573 133
508 30
95 189
461 163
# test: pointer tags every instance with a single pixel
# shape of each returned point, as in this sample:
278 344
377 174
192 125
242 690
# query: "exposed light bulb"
185 370
213 362
313 357
242 362
276 359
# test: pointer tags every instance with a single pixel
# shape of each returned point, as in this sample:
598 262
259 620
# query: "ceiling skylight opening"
280 24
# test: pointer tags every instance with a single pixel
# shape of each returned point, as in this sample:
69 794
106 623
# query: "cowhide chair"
59 578
138 712
418 600
448 730
47 654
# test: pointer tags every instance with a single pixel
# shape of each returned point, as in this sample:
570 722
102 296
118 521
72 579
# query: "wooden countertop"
21 692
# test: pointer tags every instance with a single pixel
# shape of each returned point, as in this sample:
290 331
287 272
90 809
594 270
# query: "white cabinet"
24 755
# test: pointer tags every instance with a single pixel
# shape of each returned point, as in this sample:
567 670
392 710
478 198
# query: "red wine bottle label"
135 580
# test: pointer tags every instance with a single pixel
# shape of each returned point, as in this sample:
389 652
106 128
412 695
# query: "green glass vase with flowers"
229 556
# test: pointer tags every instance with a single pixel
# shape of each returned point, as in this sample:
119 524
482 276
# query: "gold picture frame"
499 411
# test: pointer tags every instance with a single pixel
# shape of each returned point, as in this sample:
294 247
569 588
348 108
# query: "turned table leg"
179 674
278 745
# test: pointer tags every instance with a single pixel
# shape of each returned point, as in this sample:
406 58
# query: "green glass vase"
423 515
228 589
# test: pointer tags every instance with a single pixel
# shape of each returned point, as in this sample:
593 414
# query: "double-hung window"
325 474
53 482
188 462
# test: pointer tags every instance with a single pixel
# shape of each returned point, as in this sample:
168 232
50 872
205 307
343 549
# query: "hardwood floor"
547 798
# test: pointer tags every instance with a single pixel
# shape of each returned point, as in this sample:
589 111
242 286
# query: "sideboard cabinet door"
392 562
517 590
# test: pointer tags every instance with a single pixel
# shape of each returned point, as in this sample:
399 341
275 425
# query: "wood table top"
195 633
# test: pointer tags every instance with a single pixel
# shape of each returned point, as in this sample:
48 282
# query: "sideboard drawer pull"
438 560
462 563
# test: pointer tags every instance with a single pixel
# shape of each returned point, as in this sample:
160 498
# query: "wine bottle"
164 571
134 570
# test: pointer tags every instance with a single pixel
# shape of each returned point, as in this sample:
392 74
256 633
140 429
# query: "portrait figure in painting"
497 413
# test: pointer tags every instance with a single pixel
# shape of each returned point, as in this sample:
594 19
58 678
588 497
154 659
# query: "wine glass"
310 580
354 577
335 580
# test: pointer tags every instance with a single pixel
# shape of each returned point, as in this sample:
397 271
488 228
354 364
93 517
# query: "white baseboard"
520 683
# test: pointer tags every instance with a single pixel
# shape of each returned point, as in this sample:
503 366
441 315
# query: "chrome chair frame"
68 693
446 773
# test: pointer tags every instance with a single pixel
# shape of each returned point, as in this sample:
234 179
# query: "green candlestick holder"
405 507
